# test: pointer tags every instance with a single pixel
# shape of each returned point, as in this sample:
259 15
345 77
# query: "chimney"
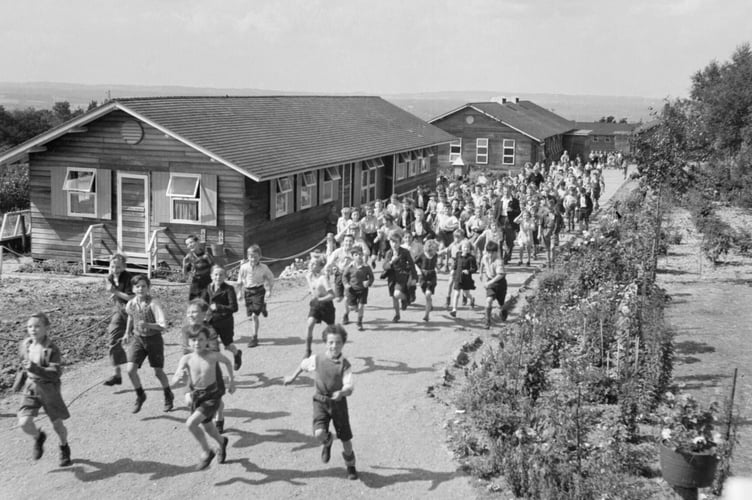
503 100
516 99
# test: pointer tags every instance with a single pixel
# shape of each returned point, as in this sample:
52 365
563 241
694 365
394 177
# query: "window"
414 164
481 151
81 192
595 138
283 197
402 162
607 139
185 198
368 183
455 150
331 174
307 189
508 152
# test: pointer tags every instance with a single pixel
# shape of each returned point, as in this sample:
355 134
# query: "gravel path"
399 431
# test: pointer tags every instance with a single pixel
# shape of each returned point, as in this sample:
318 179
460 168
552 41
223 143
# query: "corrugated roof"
527 117
272 136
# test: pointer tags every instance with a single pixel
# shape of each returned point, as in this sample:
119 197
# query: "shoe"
453 313
307 354
114 380
425 318
464 300
264 311
504 314
528 264
220 425
396 318
169 399
205 461
253 342
238 357
346 319
65 459
326 449
140 399
39 445
404 304
360 326
520 262
222 451
352 474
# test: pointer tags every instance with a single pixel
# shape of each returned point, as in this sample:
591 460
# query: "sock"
140 392
488 314
349 459
167 392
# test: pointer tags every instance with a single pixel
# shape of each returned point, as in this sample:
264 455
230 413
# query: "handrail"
88 245
152 250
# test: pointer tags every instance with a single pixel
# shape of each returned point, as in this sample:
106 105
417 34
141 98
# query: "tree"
607 119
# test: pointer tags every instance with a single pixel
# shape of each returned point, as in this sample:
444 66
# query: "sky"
644 48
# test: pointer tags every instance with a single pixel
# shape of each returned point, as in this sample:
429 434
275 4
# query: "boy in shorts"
197 264
118 285
399 268
202 367
426 265
43 365
223 303
358 277
321 306
257 281
334 383
143 338
492 269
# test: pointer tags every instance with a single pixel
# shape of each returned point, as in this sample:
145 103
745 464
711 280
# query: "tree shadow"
673 272
398 367
404 475
692 347
102 470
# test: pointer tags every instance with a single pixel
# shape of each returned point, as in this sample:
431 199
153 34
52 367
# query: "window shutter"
160 203
57 195
104 193
272 199
208 199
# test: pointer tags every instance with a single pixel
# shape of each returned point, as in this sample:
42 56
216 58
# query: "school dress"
464 281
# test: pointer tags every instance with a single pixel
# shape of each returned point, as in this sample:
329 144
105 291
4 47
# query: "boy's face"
141 289
395 243
218 276
465 249
199 343
358 258
117 266
315 266
191 244
195 315
347 242
36 329
334 345
254 257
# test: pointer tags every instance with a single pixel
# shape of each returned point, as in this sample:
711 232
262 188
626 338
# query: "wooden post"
1 261
731 404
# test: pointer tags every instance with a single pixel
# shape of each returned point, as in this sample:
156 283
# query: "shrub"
14 188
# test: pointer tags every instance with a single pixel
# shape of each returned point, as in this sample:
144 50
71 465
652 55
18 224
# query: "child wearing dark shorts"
257 282
399 268
42 364
496 282
198 263
204 373
321 307
358 277
143 338
333 381
426 265
223 303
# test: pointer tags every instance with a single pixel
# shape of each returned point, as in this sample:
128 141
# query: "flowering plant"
689 427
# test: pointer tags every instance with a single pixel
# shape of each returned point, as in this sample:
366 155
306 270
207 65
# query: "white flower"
666 434
698 440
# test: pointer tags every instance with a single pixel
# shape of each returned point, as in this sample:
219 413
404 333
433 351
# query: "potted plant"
689 441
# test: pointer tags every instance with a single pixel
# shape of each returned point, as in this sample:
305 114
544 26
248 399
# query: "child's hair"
195 330
254 249
192 237
200 303
318 260
118 256
492 246
458 233
139 278
395 235
217 266
356 249
431 245
335 330
41 317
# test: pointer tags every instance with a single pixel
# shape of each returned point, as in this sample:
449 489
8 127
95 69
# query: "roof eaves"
121 106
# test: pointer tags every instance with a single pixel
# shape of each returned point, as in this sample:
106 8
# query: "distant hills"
41 95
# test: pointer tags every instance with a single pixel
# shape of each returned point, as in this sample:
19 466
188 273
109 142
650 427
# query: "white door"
133 214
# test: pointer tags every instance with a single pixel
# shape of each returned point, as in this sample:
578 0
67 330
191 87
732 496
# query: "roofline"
449 113
495 118
188 143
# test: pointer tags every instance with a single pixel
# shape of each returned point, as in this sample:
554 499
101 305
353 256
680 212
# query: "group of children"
136 332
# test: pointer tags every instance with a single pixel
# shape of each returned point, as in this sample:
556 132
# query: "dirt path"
399 431
711 316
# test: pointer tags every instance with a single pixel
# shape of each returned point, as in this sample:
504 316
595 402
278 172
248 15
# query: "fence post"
1 261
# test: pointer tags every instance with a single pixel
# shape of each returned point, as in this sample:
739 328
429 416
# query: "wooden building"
139 175
502 135
598 136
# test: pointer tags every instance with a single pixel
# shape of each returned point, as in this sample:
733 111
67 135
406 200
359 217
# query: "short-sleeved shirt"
255 276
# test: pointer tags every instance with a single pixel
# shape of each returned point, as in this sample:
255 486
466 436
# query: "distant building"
598 136
234 170
502 135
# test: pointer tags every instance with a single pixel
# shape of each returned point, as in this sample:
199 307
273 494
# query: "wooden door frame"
145 178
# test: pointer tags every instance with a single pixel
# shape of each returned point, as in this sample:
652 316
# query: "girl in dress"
525 235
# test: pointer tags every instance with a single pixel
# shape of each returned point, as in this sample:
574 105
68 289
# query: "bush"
52 266
14 188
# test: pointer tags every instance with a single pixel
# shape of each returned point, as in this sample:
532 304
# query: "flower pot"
687 469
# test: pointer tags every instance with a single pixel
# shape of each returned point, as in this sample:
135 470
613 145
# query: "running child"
42 364
465 266
492 269
202 367
426 267
223 303
257 281
399 268
118 285
358 277
333 381
197 263
143 338
321 307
